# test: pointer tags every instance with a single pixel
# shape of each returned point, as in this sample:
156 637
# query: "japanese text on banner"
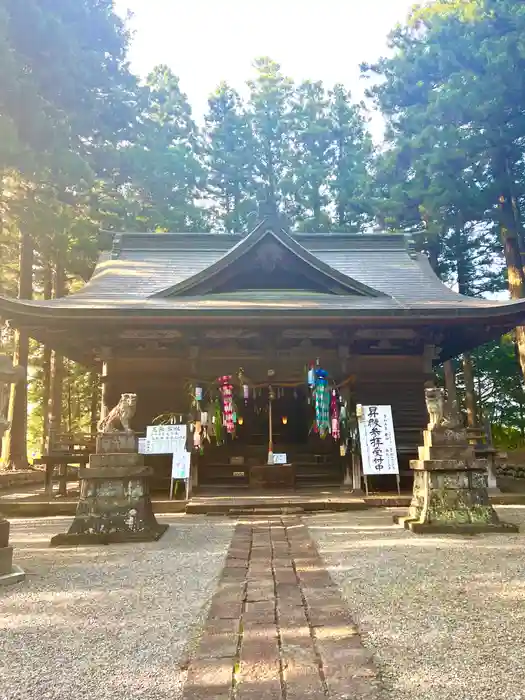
378 445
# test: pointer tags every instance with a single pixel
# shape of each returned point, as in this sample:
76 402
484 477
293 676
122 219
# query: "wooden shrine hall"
166 314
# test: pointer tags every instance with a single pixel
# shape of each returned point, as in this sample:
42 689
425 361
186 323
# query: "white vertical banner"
378 442
181 471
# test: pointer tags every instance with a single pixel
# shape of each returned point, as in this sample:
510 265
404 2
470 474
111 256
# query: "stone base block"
15 576
460 528
90 474
115 459
114 506
117 537
452 501
4 533
117 442
6 560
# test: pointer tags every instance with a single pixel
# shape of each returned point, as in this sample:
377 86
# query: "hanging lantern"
226 388
284 420
240 420
246 393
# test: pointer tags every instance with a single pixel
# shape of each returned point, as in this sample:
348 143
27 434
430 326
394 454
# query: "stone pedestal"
450 488
9 572
115 504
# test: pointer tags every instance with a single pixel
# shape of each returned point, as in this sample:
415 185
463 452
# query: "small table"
272 476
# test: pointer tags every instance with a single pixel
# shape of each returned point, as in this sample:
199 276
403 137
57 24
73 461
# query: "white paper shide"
377 439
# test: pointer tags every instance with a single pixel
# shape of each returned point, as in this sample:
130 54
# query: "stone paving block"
257 567
289 595
315 579
260 591
259 613
218 646
347 632
290 616
347 652
259 690
298 645
332 616
284 575
236 563
225 610
209 679
231 573
260 650
220 625
302 682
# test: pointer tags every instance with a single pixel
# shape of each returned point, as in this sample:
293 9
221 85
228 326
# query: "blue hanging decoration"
321 402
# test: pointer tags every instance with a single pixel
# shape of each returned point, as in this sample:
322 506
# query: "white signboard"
378 443
164 439
279 457
180 466
166 432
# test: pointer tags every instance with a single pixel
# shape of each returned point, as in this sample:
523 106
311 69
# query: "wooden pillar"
353 466
470 393
105 407
450 381
430 354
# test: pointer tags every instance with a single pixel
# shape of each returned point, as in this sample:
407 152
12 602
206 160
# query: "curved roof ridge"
243 247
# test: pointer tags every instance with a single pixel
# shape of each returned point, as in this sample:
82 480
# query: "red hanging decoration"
334 411
226 389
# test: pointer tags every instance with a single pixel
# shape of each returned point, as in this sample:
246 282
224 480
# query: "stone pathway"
278 628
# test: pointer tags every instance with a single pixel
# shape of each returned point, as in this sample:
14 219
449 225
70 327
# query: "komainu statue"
121 414
435 400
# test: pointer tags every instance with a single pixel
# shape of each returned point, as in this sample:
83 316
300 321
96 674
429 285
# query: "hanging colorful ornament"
226 388
322 402
198 393
246 393
334 412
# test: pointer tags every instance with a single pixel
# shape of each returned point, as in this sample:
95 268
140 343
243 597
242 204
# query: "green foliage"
229 156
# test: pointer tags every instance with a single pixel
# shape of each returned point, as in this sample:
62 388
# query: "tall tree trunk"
46 365
14 454
57 364
464 287
57 379
511 239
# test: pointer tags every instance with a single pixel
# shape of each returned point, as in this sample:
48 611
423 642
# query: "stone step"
239 512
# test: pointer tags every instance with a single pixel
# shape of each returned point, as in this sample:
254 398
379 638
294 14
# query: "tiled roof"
140 267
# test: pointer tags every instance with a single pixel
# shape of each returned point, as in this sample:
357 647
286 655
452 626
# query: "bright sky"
206 41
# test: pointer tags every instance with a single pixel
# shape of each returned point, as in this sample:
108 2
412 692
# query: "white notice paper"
377 439
180 467
279 457
166 432
164 439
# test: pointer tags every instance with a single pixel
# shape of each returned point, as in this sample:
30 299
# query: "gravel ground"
445 616
106 623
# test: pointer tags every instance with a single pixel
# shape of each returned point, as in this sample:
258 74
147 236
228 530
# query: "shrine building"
165 315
